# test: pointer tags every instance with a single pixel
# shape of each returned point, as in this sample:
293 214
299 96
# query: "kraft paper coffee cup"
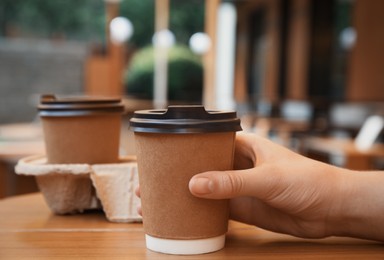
81 129
172 146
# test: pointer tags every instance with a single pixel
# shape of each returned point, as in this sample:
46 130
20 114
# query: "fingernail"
201 186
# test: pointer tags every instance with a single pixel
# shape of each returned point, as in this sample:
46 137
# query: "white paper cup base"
185 247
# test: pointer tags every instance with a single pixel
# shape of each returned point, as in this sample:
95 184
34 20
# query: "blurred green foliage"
186 18
85 19
185 74
142 15
74 19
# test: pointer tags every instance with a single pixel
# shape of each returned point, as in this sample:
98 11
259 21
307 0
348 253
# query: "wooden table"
28 230
353 158
17 141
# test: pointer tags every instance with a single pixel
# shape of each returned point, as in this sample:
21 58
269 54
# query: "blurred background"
307 74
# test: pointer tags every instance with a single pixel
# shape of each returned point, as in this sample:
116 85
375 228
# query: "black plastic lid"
184 120
50 105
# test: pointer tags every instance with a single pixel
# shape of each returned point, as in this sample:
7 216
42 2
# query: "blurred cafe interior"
307 74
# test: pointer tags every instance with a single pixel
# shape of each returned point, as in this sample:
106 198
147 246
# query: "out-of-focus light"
163 38
369 132
121 30
348 38
200 43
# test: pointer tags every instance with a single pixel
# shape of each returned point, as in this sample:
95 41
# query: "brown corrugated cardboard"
82 139
166 164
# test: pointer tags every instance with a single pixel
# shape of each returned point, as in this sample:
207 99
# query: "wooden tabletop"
339 146
19 140
28 230
353 158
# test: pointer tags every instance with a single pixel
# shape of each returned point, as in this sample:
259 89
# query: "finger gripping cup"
172 146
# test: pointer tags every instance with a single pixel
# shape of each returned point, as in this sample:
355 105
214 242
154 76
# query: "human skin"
279 190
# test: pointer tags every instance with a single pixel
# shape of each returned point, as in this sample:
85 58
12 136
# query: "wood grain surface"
28 230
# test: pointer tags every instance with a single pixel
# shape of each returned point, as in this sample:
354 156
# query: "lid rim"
109 108
50 105
77 113
52 99
182 131
184 120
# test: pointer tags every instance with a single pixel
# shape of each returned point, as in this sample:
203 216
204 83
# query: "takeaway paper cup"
172 146
81 129
77 130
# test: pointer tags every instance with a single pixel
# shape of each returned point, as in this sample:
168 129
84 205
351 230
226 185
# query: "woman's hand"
279 190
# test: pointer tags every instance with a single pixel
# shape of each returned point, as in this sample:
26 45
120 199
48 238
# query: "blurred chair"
346 119
295 121
17 141
295 110
353 139
369 132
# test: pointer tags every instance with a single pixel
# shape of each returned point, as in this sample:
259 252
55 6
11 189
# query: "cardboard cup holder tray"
74 188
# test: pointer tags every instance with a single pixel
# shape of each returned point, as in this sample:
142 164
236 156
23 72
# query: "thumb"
224 184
